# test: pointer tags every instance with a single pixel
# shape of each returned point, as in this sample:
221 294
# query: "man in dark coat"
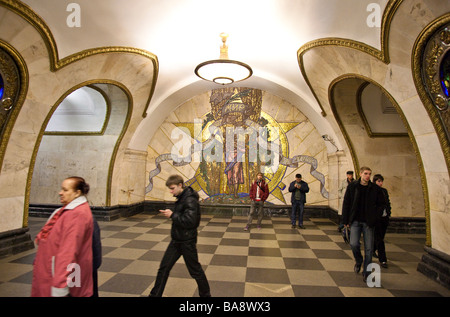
185 221
363 205
382 224
298 188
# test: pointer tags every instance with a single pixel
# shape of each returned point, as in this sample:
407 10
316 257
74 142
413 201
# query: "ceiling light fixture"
223 70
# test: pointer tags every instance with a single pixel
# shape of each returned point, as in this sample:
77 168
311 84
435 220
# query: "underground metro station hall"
286 121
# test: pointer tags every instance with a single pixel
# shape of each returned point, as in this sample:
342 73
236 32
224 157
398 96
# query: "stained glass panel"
445 74
2 88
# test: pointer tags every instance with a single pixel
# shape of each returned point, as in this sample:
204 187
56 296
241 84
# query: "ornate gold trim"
41 27
410 135
338 118
38 23
418 50
23 89
113 154
382 55
86 133
363 117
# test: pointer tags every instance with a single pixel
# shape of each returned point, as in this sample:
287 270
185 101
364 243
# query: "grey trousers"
256 206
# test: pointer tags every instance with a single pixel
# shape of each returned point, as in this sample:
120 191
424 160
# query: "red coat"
68 243
263 190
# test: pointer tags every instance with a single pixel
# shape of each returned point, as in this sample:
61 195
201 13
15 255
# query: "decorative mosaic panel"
220 143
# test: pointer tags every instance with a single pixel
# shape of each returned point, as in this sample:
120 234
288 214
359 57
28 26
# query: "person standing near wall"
259 191
298 188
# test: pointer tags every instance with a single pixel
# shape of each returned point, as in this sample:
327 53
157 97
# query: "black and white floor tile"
274 261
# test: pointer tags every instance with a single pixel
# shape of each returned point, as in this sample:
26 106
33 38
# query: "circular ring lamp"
223 70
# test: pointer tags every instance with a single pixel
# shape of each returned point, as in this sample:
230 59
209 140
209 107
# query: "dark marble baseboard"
101 213
396 224
436 266
15 241
243 209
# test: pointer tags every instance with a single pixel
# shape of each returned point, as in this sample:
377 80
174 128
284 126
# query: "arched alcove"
387 152
378 113
84 111
79 152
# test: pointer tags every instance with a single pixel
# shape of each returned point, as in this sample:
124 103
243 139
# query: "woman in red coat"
63 264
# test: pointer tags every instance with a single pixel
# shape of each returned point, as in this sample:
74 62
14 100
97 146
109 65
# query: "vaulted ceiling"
266 34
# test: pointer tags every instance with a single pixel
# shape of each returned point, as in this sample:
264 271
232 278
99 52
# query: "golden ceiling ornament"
223 71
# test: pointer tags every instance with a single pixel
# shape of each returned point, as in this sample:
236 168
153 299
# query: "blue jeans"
356 228
297 205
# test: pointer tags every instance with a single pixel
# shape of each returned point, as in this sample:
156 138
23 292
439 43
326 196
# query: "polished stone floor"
273 261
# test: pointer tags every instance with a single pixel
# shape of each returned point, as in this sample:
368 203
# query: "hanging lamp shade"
223 70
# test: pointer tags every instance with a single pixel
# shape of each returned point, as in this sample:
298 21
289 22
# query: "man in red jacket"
259 191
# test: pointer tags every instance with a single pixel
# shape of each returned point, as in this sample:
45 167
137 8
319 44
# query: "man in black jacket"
185 220
363 205
382 224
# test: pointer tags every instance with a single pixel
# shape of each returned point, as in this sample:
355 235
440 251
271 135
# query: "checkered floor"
273 261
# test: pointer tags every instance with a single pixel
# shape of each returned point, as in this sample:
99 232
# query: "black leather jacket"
375 203
387 200
186 216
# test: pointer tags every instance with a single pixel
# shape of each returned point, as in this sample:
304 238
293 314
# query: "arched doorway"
81 138
378 136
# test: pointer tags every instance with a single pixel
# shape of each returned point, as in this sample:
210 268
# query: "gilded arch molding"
55 63
382 54
351 147
363 116
419 46
113 154
21 94
86 133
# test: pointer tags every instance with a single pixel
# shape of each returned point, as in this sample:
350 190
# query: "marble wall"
49 78
390 67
